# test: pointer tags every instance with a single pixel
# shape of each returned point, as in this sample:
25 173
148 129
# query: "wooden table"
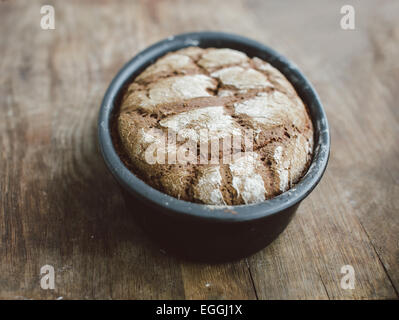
61 207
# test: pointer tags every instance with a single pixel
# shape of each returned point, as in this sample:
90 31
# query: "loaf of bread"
208 97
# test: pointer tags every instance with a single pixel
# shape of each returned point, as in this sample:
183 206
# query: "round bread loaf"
208 98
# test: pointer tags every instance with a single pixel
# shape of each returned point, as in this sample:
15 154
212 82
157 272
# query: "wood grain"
60 206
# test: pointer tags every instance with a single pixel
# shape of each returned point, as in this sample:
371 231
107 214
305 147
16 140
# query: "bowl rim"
236 213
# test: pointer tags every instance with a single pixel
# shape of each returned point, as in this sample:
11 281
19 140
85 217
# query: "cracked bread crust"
225 92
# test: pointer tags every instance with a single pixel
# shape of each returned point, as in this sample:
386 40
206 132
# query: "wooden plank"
217 281
60 206
334 229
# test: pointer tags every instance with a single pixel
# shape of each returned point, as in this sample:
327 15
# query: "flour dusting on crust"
208 95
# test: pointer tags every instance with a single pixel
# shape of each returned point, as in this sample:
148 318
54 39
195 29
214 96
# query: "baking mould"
198 231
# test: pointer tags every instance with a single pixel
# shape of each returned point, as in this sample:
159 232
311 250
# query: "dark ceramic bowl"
198 231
